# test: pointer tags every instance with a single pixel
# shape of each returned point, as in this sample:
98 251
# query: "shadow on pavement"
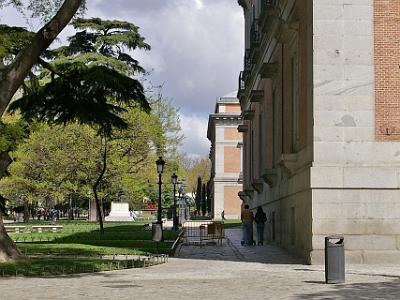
232 250
378 290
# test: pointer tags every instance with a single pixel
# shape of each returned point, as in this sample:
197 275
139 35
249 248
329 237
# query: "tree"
209 200
90 81
12 75
203 200
169 119
86 83
195 167
11 133
198 195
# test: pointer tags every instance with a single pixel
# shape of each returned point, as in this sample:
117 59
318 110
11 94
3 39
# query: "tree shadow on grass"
376 290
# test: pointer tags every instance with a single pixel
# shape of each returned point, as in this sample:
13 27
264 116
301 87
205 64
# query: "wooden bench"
16 229
53 228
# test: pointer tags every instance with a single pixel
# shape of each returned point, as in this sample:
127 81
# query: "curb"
175 244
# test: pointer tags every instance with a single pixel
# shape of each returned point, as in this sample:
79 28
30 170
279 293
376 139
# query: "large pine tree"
89 81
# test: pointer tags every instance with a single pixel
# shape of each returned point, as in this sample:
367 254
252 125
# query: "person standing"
223 215
247 226
260 220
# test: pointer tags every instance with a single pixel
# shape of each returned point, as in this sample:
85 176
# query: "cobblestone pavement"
214 272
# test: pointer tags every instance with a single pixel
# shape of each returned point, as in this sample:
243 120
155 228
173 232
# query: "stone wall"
355 178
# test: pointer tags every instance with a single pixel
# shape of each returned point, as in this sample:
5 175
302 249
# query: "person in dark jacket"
260 219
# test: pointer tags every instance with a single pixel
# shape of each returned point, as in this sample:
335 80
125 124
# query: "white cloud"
199 4
197 52
195 130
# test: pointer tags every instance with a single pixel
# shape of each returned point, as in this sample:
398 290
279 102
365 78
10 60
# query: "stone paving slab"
214 272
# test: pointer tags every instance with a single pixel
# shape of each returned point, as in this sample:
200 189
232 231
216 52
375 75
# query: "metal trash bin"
334 259
157 232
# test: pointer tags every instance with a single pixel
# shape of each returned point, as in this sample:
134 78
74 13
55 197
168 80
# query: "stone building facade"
320 100
225 155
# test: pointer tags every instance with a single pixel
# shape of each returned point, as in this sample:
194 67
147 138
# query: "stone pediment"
256 96
243 128
242 195
288 162
258 185
269 70
249 192
248 114
270 177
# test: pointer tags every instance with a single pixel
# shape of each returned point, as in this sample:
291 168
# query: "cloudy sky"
197 50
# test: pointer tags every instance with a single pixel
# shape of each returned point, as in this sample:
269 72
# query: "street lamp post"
160 167
180 191
174 179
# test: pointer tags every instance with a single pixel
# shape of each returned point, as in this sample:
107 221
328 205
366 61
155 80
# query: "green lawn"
104 247
232 223
80 238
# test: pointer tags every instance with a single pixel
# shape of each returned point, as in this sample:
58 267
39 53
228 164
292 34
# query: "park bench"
16 229
212 231
53 228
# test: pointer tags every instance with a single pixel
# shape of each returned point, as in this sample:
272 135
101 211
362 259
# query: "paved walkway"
214 272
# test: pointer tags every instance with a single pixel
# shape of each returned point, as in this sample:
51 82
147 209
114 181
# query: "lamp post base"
157 232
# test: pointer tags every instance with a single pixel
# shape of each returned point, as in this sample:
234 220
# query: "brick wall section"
231 134
232 108
231 160
387 69
232 202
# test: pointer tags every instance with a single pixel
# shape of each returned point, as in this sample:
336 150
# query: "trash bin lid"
334 237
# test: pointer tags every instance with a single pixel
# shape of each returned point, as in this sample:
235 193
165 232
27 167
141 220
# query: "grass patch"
81 232
68 236
47 250
232 223
96 248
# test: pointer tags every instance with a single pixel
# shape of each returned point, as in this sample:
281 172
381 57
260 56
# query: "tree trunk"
96 185
93 211
13 75
8 249
26 212
71 210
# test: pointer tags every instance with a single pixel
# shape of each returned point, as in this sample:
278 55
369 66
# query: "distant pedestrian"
223 215
247 226
260 220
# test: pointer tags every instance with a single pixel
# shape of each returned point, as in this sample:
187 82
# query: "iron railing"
242 81
265 4
247 61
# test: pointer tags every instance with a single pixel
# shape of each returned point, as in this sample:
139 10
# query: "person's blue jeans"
247 233
260 233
